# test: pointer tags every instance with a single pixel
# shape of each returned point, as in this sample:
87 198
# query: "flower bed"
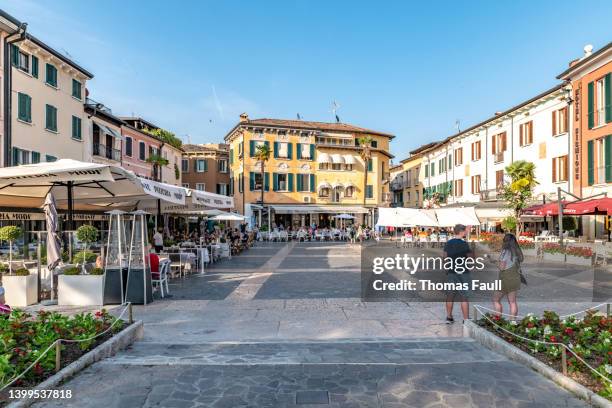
524 244
590 338
580 252
24 337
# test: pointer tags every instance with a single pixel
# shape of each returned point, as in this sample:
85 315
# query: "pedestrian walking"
510 260
458 250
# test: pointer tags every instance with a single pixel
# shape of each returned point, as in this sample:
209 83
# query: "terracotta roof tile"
308 125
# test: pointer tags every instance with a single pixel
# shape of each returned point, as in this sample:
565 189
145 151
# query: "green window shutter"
267 181
34 69
290 151
590 163
231 156
299 151
608 158
290 182
49 158
21 106
267 144
76 88
369 164
35 157
426 171
299 182
312 183
51 118
16 156
608 97
14 55
369 191
28 108
590 103
276 150
76 128
251 181
312 151
432 170
205 165
274 181
450 162
53 76
252 148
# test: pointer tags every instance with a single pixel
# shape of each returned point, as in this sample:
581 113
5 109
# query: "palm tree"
365 142
262 154
520 189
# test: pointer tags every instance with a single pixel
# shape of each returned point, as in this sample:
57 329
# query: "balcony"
106 151
397 184
492 194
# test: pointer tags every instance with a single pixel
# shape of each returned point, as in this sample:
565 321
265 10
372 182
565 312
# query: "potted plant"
578 255
10 233
88 234
21 288
553 252
76 288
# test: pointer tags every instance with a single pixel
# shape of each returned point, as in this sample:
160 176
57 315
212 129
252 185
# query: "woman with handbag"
510 260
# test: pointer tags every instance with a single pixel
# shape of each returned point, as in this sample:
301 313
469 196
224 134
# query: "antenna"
299 117
457 123
334 110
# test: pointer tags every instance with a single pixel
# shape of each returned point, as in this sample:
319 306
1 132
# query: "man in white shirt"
158 241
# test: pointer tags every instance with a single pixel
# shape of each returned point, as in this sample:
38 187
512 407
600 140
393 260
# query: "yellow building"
408 183
315 171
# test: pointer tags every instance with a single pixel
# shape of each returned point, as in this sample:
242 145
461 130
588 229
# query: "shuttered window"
591 162
560 169
51 75
591 104
24 108
526 133
459 156
76 89
34 70
51 118
369 191
77 131
476 184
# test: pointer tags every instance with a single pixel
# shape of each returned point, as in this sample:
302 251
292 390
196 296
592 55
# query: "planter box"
530 252
80 290
20 291
578 260
556 257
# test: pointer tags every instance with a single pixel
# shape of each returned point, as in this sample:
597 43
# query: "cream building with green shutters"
48 90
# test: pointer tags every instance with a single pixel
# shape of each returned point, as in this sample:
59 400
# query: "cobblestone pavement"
284 326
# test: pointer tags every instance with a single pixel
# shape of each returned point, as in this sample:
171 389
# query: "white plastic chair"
163 277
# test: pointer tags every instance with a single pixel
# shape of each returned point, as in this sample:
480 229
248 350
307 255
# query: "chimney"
498 113
574 62
588 50
244 117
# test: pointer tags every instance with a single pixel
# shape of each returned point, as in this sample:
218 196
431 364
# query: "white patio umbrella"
228 217
344 217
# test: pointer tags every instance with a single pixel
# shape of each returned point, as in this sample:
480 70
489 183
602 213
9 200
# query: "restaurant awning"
323 158
543 210
312 209
595 206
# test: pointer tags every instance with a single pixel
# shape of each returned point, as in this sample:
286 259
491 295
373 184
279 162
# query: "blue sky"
408 68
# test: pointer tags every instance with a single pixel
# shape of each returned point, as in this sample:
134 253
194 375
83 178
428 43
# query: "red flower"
99 314
553 338
569 331
530 325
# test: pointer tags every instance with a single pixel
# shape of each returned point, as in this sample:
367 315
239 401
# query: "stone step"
434 351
